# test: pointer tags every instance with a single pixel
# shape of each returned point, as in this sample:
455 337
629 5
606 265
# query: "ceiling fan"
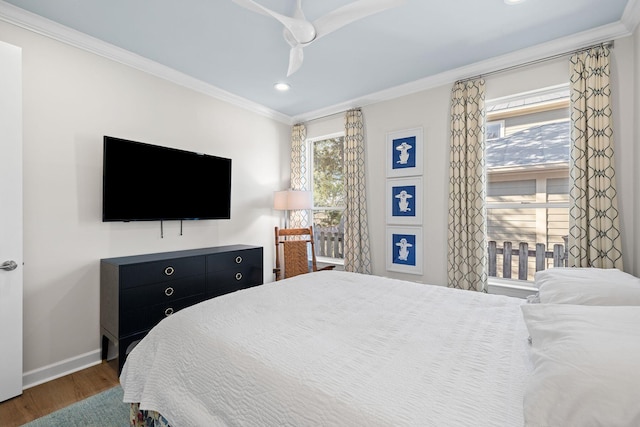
299 32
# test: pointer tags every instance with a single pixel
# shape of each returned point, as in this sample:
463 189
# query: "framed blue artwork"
404 201
404 249
405 151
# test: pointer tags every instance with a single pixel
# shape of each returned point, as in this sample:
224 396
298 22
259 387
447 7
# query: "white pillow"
586 366
587 286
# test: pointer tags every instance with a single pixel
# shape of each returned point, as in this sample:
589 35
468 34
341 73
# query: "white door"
10 221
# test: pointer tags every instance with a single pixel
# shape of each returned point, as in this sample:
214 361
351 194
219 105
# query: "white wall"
430 110
71 99
624 114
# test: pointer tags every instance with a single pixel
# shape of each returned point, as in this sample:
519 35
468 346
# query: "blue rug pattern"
105 409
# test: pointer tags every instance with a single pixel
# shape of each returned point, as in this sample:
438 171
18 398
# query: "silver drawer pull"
238 276
169 291
169 271
238 259
168 312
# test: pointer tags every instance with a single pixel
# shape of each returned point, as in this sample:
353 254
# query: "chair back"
296 244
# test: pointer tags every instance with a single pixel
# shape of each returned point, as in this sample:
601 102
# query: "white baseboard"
60 369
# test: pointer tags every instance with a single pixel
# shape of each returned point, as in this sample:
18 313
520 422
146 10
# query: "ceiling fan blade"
298 14
295 59
301 29
254 7
351 12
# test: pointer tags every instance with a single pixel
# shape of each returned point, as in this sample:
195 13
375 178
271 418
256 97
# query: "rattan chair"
294 243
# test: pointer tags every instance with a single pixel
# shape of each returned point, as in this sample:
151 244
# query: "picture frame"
404 249
405 151
404 202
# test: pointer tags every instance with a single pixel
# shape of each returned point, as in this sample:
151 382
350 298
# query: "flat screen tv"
144 182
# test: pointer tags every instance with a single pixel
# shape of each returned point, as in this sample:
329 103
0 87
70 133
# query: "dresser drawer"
224 281
145 318
225 260
161 293
160 271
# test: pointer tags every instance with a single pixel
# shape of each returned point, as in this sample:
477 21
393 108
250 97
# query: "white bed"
336 348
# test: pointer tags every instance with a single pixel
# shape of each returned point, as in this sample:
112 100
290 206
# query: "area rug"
102 410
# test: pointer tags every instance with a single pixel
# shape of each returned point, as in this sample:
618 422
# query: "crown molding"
32 22
631 15
37 24
535 53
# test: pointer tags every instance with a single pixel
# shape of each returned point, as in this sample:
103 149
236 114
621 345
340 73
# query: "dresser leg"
122 355
105 347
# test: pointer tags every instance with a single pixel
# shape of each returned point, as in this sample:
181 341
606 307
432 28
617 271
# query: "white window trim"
310 142
517 96
511 287
514 287
332 261
531 205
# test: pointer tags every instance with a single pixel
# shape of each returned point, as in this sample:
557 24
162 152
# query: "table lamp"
292 200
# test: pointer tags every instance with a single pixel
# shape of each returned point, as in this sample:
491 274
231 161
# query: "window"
495 129
327 184
527 179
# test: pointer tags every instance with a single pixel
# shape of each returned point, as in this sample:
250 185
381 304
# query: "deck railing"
559 255
329 242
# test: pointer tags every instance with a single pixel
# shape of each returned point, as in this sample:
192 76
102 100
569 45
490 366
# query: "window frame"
314 208
514 287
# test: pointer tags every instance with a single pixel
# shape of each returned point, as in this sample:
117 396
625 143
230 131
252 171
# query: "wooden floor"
43 399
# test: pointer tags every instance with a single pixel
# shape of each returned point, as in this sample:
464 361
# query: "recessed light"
282 87
513 1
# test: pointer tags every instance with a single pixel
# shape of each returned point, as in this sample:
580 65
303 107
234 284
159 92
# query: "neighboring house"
528 181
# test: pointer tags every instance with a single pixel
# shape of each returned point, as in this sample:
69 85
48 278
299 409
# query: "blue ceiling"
238 51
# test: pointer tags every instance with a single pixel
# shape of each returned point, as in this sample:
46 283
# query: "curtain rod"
332 114
609 44
538 61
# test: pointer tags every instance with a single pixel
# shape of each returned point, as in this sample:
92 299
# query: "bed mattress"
336 348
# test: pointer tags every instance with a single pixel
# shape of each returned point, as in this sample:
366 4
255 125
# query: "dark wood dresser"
136 292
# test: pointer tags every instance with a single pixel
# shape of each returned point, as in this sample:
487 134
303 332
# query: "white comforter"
335 348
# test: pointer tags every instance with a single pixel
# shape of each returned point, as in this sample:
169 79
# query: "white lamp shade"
289 200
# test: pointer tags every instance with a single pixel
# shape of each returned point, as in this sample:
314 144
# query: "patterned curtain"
299 179
357 256
594 230
467 255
